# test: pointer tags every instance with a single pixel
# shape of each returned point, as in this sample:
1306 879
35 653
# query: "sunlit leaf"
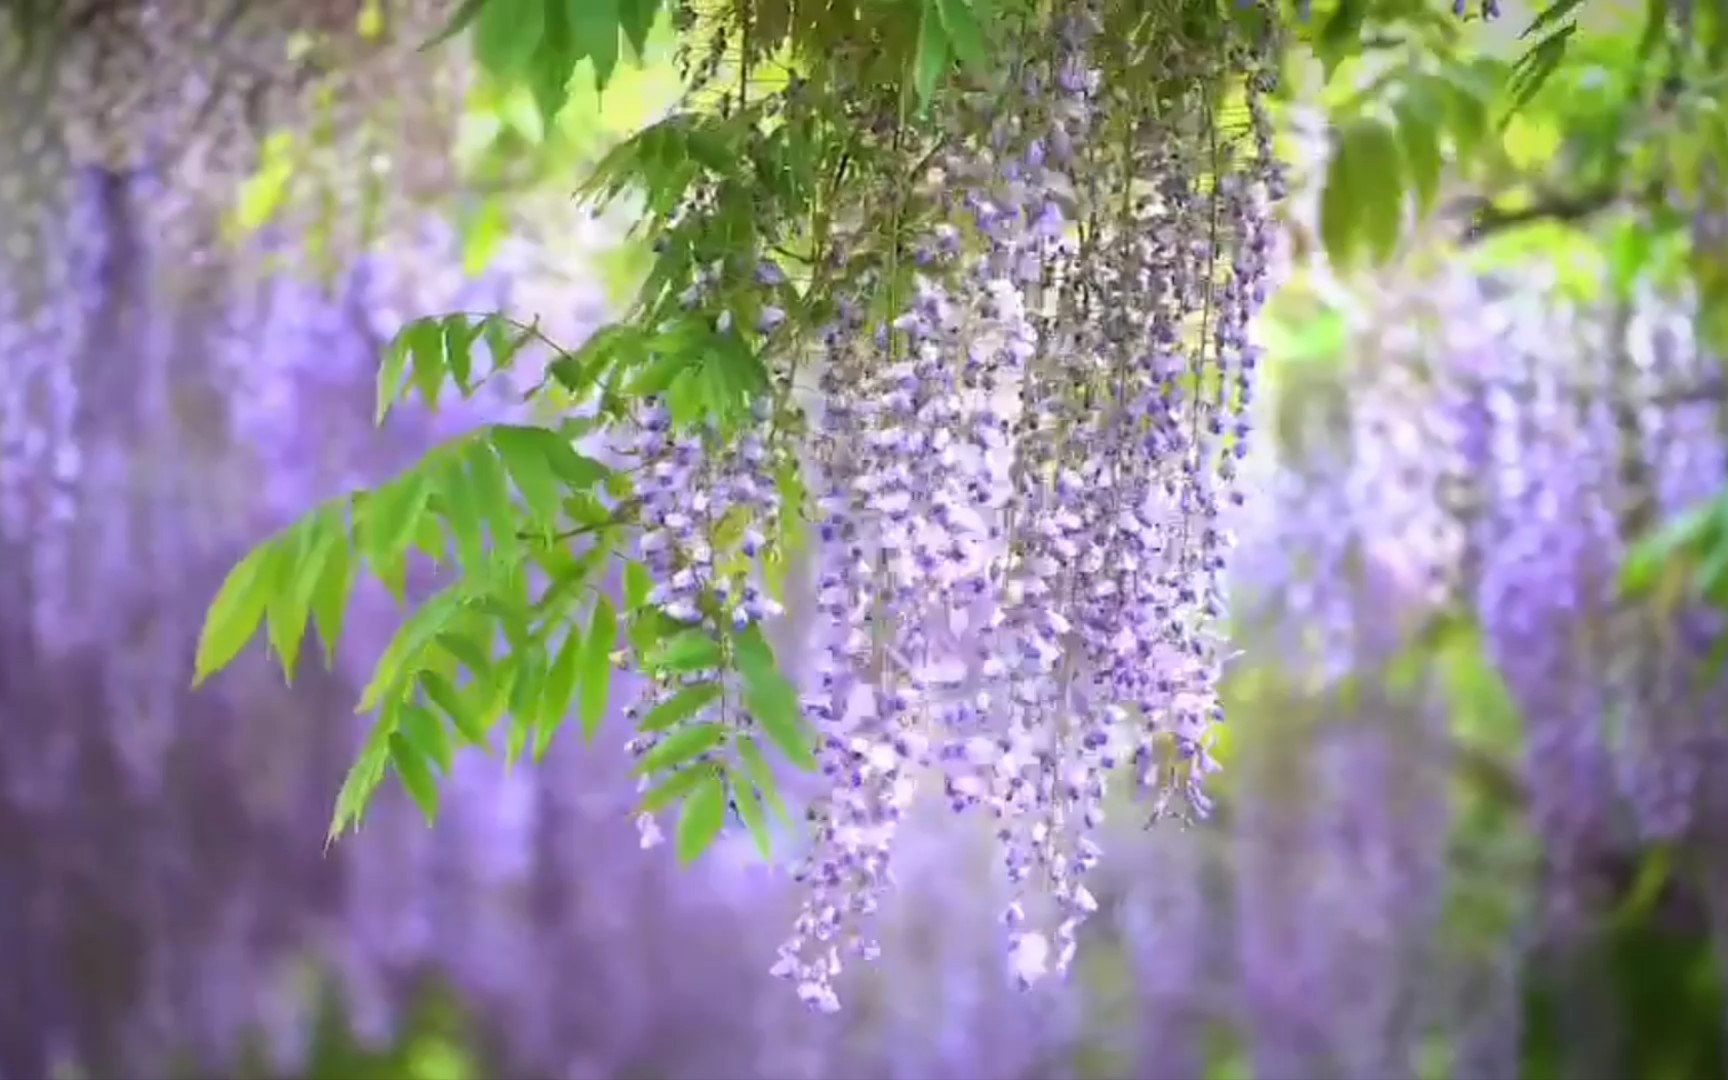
235 612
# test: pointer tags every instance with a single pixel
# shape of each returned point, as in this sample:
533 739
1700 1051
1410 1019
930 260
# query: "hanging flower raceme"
1029 349
1025 470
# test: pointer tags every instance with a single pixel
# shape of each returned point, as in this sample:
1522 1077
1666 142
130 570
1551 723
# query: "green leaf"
770 698
637 585
963 32
492 492
636 18
595 25
1467 108
749 806
681 747
675 787
390 376
1362 203
390 518
235 612
932 56
701 817
756 768
459 21
1419 134
1550 15
679 707
661 371
402 655
415 776
690 650
1692 529
525 455
1535 67
525 689
424 339
443 694
462 513
561 683
362 779
596 666
792 537
507 34
330 594
1342 35
300 563
421 728
468 653
459 335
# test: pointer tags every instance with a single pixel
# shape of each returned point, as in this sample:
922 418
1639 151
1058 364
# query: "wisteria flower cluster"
1023 448
1003 396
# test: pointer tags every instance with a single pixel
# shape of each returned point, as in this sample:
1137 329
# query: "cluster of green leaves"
527 527
1390 150
541 43
494 505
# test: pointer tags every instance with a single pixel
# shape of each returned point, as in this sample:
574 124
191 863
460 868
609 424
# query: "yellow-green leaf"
235 612
415 776
421 727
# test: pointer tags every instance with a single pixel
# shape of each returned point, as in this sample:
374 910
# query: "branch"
1486 219
623 514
